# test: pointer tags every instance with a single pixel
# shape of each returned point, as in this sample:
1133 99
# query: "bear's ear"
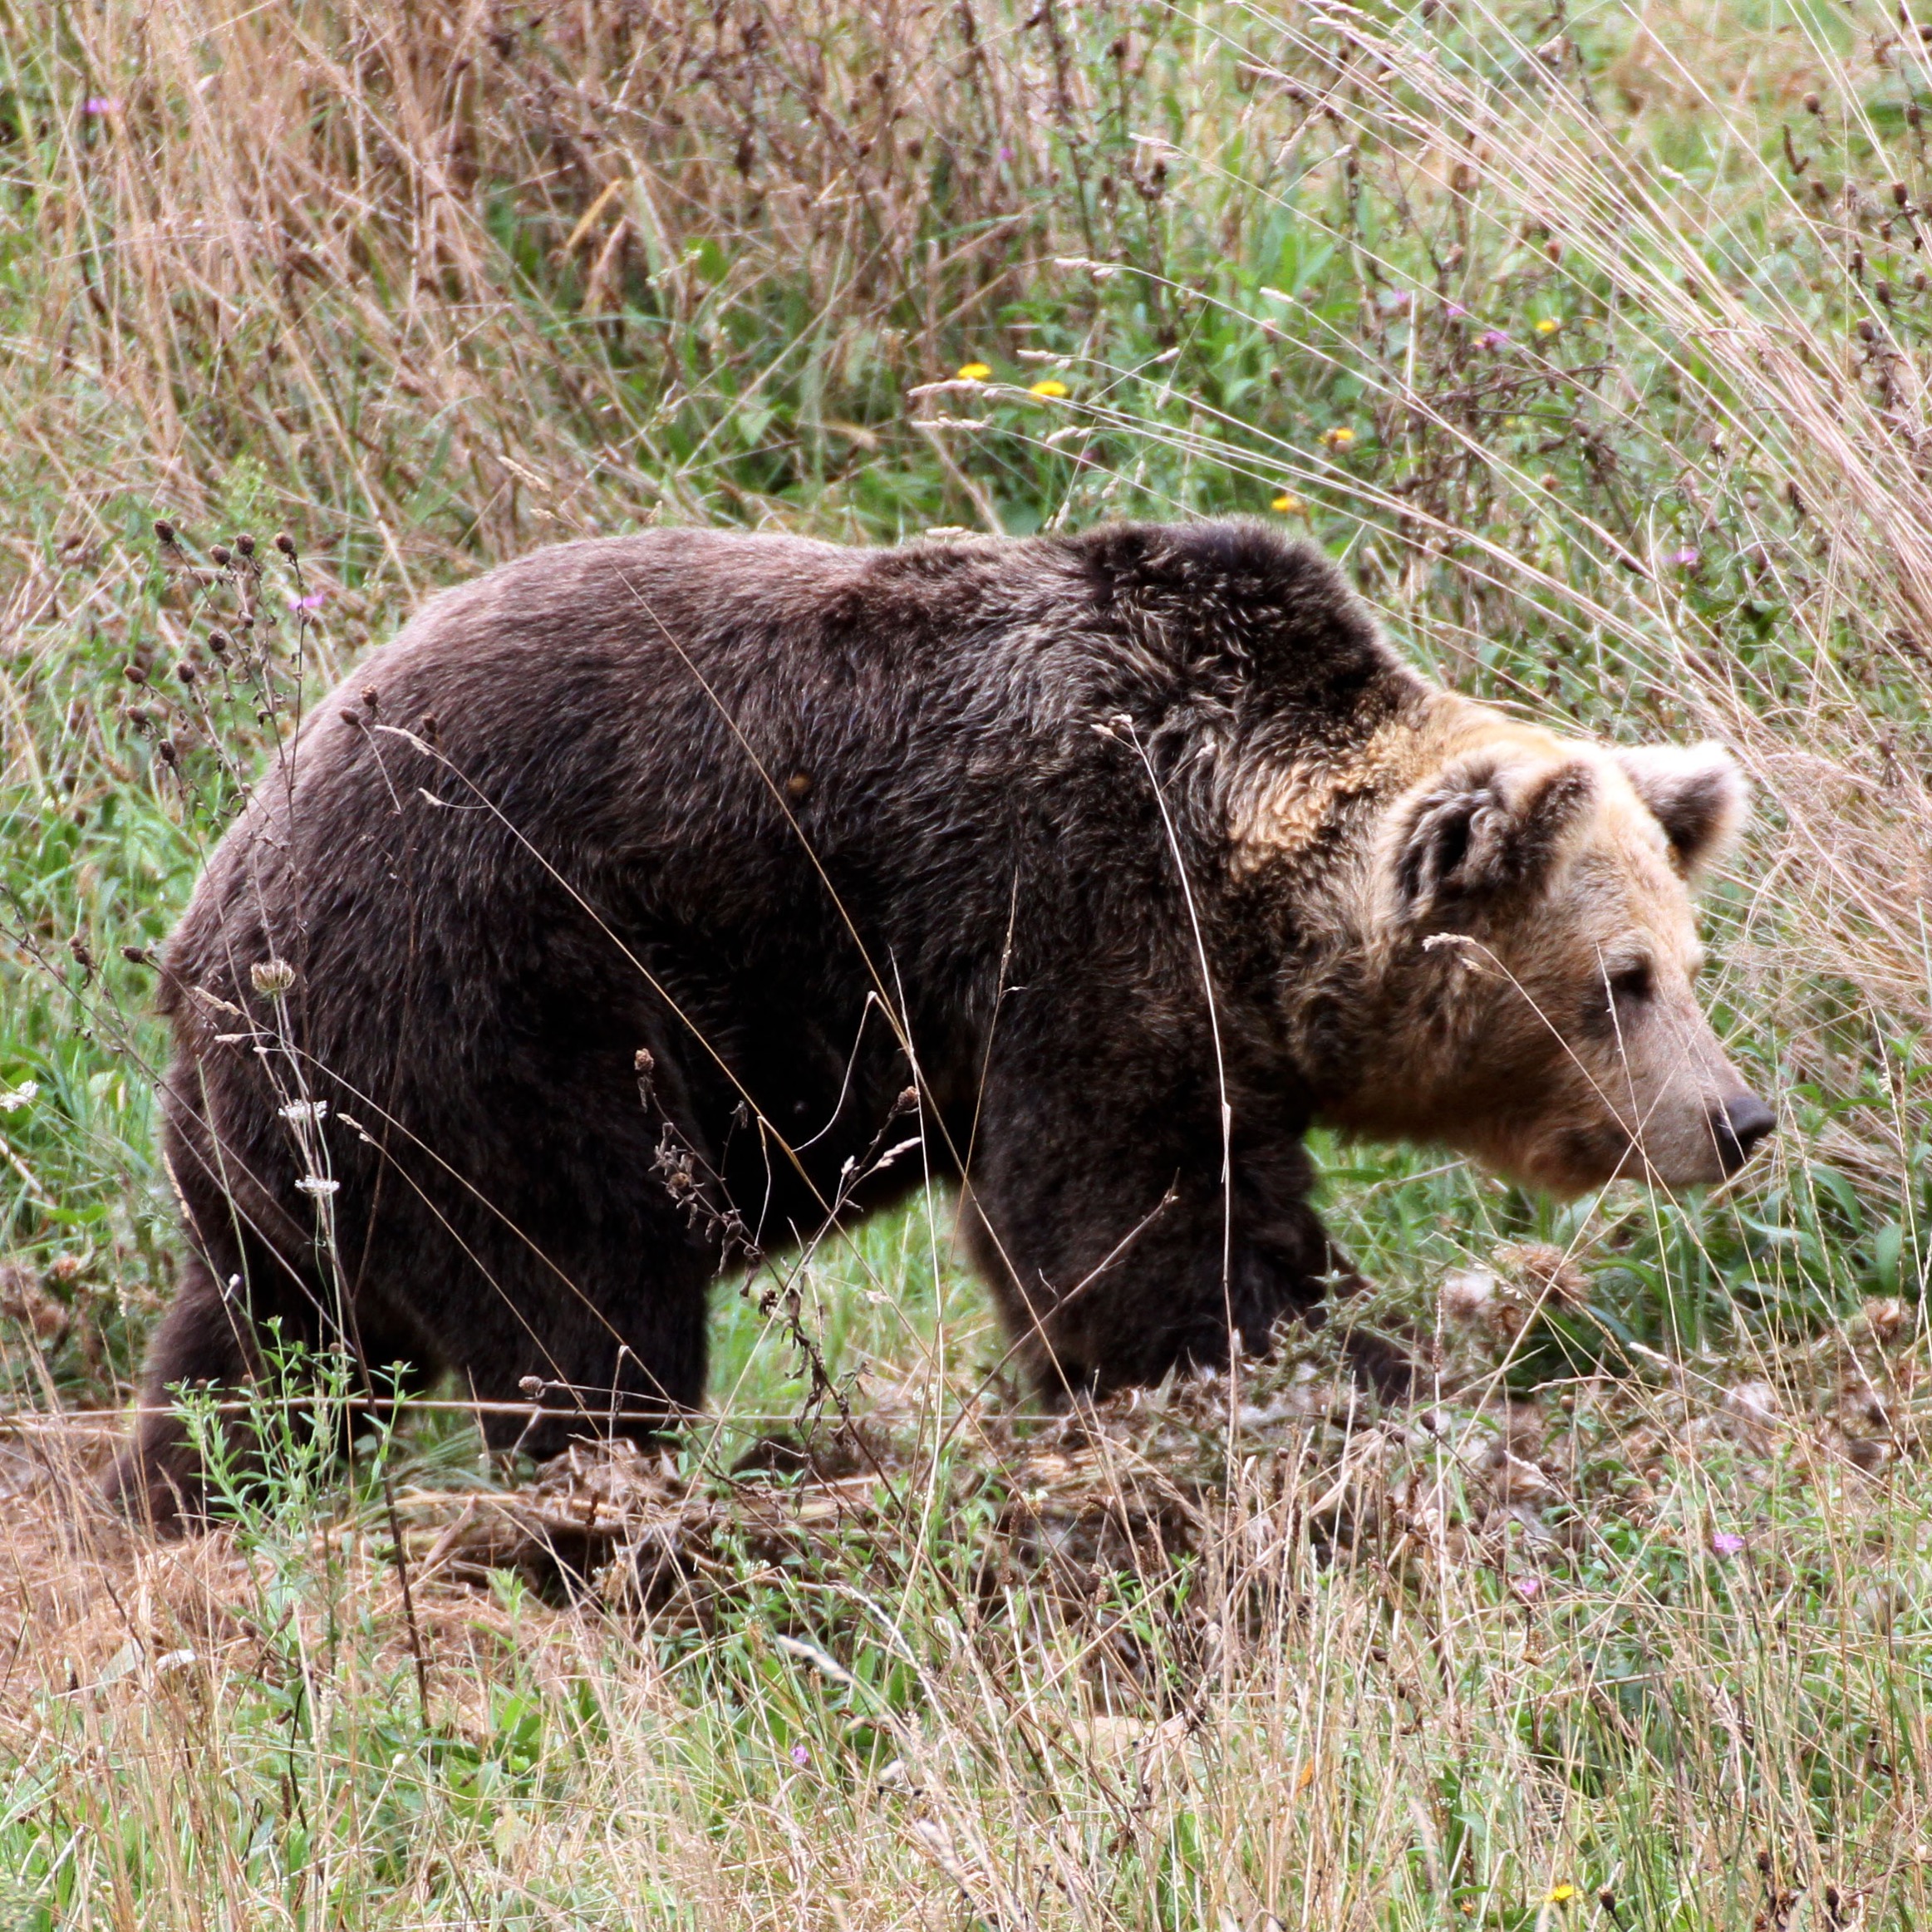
1696 793
1485 829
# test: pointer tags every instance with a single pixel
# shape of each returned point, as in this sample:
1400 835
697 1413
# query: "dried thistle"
271 977
1545 1272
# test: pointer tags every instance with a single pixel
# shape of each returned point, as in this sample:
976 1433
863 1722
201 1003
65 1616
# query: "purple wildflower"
1527 1587
1726 1544
800 1756
101 104
1454 310
312 601
1687 557
1005 152
1492 339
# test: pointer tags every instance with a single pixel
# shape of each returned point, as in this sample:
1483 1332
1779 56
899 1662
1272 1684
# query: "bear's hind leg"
206 1339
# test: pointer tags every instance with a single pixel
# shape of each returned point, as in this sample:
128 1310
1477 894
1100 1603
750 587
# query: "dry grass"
515 265
1339 1669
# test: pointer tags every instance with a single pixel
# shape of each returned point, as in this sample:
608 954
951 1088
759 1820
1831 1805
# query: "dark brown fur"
806 827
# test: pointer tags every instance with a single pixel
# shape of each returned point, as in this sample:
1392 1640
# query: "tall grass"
1593 342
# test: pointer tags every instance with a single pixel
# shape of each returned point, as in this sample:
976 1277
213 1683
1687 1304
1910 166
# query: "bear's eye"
1632 983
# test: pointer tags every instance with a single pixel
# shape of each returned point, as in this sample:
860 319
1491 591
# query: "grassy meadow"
1594 340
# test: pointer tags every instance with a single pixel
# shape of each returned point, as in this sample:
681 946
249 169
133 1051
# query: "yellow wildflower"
1548 325
1338 438
1560 1895
1048 386
1288 503
974 372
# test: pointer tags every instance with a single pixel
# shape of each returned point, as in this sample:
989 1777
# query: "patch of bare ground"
93 1608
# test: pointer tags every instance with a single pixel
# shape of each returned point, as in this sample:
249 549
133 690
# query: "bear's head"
1533 961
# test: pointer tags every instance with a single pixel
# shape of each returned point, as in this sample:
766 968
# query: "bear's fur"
656 900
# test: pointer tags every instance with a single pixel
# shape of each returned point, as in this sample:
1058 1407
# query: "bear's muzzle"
1736 1127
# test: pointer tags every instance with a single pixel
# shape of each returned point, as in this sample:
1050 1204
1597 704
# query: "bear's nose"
1737 1127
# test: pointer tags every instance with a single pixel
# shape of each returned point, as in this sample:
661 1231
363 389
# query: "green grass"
301 270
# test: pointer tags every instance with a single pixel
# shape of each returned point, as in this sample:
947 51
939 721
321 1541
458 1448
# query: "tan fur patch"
1276 813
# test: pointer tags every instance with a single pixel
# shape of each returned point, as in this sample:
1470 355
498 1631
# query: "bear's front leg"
1122 1256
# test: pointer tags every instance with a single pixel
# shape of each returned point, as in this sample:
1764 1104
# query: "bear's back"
731 743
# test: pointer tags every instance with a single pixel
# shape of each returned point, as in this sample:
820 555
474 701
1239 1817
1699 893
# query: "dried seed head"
1544 1270
1813 104
23 1299
165 751
136 955
218 642
185 671
134 674
271 977
1886 1318
1468 1294
1900 193
164 530
245 543
285 543
1507 1316
221 554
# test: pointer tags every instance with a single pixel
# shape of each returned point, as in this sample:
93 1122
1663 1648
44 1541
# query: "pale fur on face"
1530 943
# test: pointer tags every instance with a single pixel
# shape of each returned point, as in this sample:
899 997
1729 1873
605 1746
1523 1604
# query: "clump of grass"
1596 347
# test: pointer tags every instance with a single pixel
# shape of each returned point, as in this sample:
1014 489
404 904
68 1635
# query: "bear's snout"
1736 1126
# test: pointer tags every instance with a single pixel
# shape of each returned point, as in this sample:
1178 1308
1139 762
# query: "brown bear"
657 901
